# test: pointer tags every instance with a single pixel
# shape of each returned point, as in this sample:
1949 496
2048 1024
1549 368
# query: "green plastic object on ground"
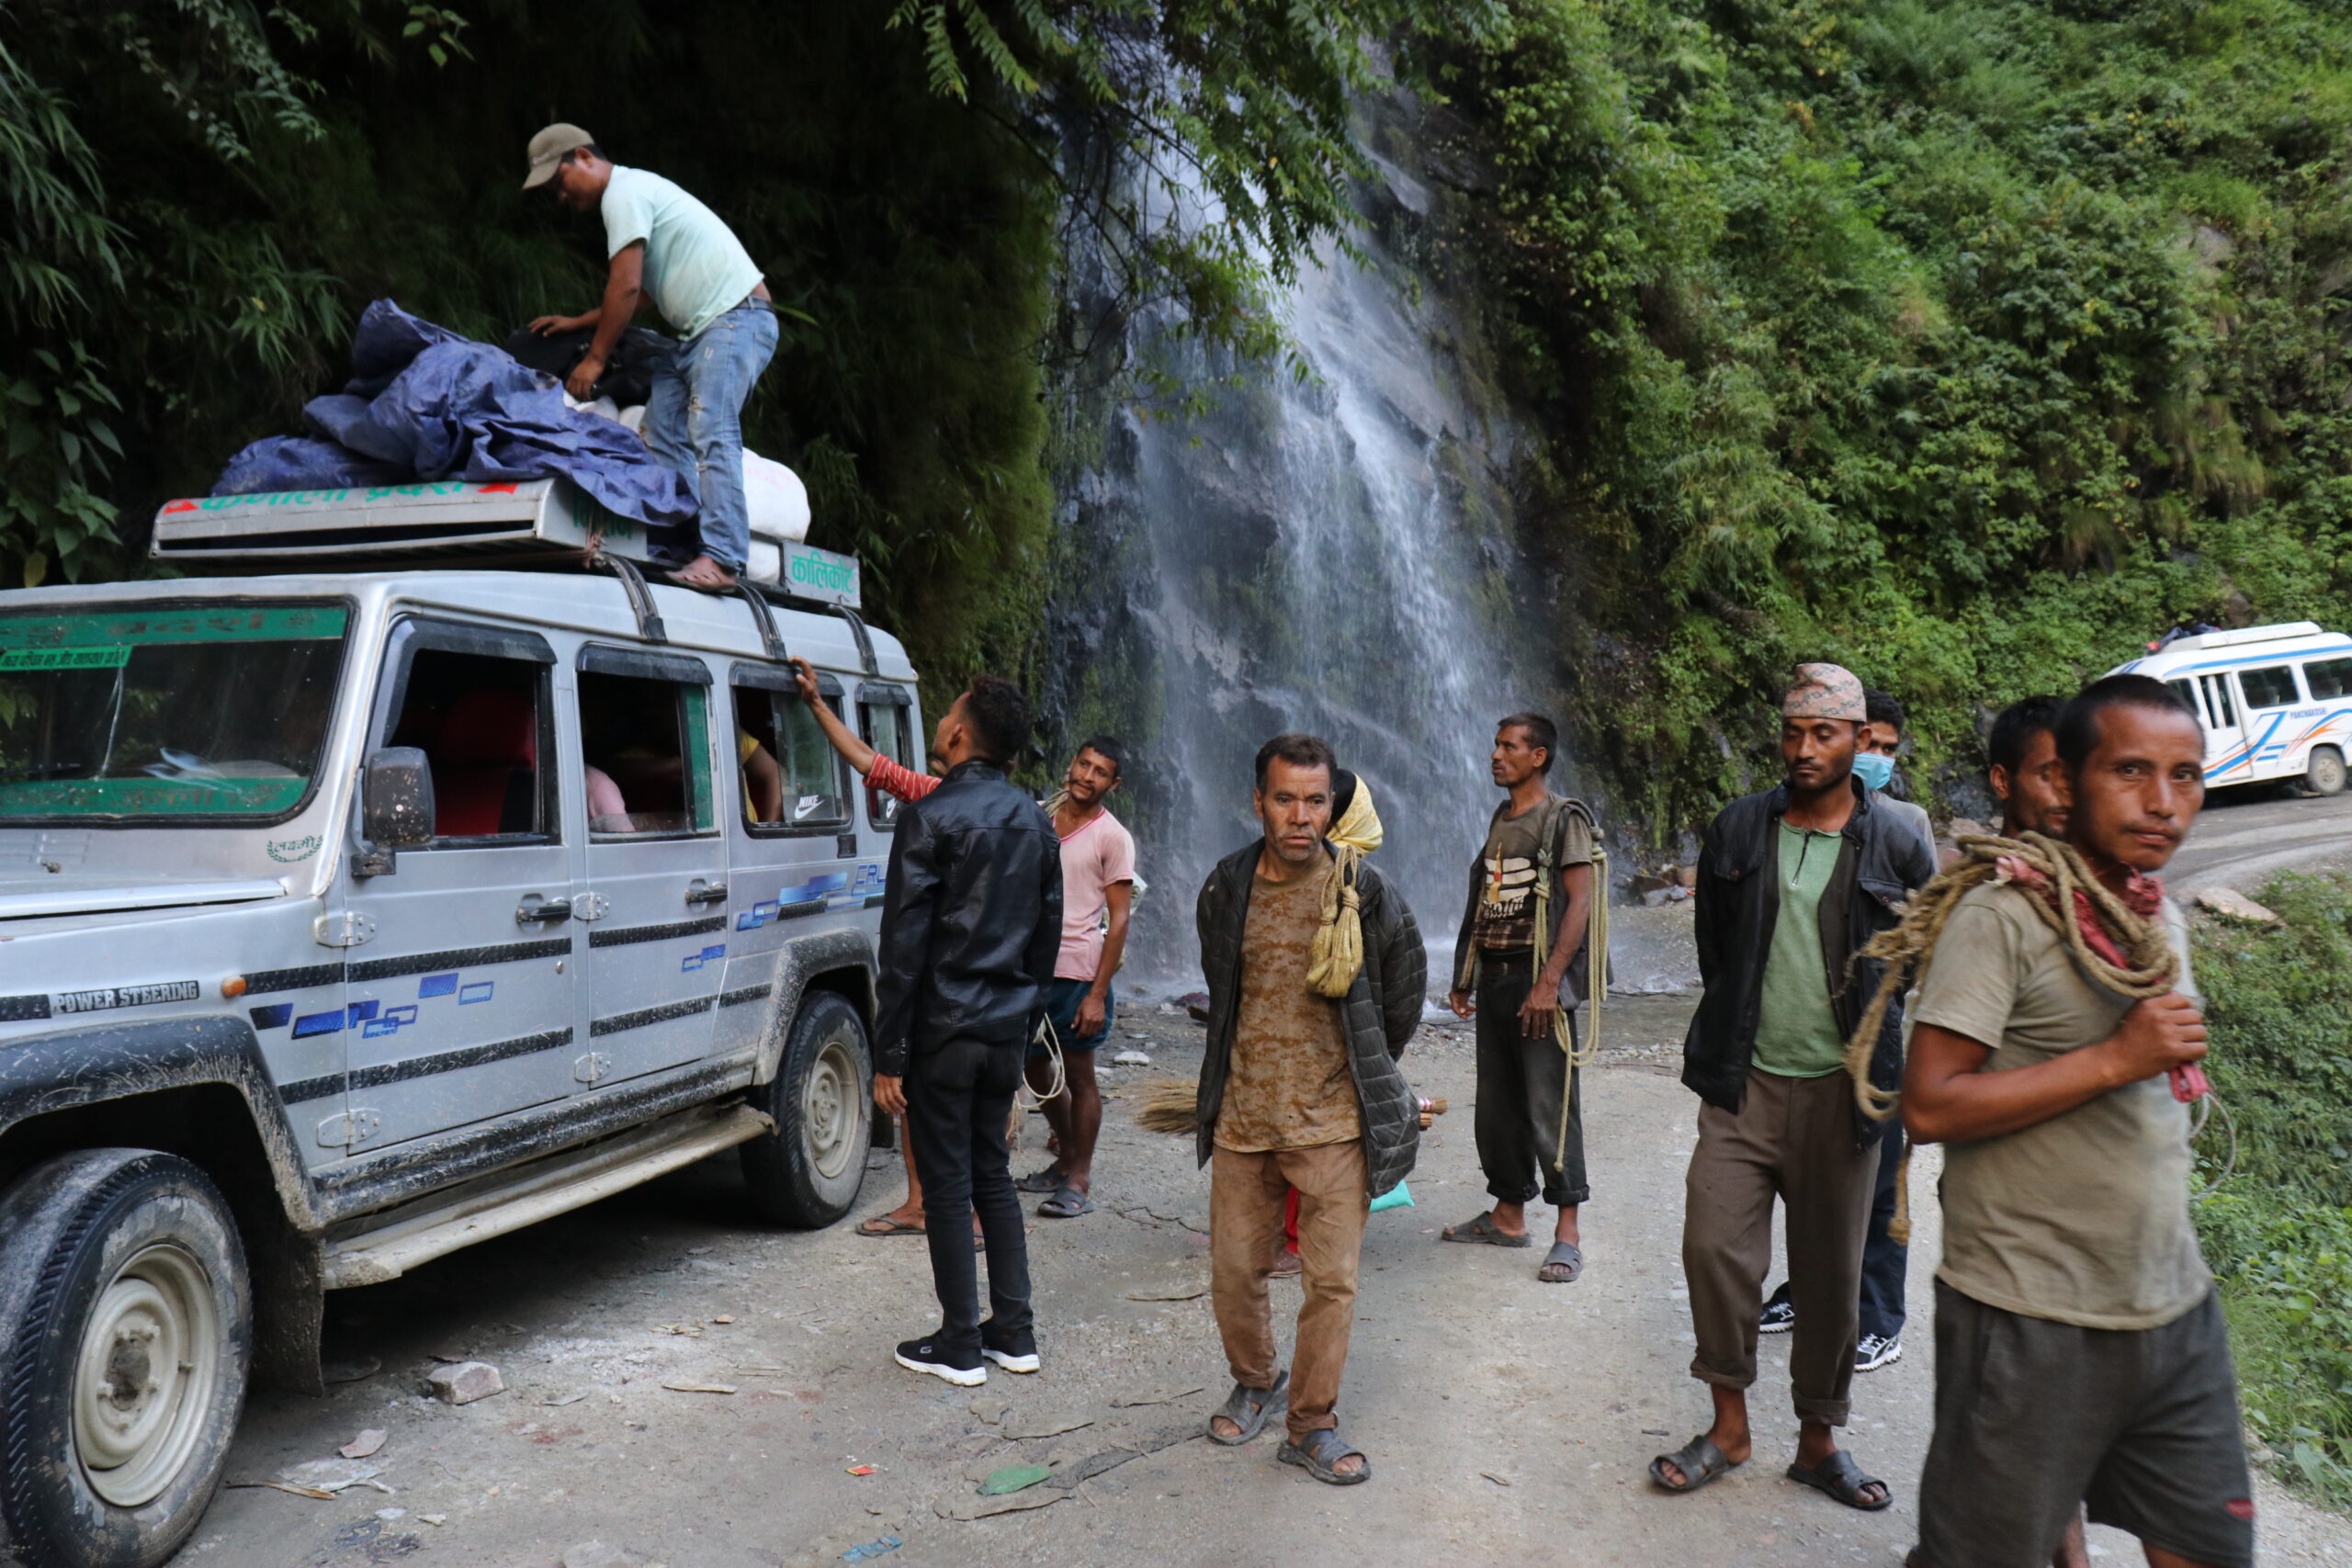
1398 1196
1013 1478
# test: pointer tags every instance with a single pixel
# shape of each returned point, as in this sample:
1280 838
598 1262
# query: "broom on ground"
1172 1105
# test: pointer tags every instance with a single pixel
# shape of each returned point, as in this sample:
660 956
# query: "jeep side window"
792 777
883 725
646 746
480 720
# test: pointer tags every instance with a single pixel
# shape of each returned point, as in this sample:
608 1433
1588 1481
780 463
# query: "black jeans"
958 1099
1520 1080
1885 1262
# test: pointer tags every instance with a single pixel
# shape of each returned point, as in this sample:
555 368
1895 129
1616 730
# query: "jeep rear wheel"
2324 773
808 1170
127 1323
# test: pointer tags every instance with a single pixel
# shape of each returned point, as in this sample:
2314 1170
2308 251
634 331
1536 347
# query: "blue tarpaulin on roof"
426 404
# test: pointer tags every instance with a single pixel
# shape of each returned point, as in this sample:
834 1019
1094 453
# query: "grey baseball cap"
548 149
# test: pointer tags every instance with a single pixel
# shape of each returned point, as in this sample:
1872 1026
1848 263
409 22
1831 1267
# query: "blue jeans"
693 421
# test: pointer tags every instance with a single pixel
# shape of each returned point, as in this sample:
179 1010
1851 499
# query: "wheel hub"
829 1109
145 1377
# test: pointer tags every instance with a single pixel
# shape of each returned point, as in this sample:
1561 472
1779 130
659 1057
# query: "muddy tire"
807 1172
126 1335
2324 773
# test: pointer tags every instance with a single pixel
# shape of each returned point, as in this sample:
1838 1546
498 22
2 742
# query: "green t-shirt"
695 268
1796 1027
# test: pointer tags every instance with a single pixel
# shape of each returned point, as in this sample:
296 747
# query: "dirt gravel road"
1507 1420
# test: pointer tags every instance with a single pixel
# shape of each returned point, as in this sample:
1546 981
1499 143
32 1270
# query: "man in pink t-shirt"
1098 892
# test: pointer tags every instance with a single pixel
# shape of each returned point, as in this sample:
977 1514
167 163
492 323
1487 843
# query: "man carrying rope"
1792 882
1315 972
1531 892
2080 1350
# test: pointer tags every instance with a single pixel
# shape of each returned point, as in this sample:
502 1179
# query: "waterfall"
1327 553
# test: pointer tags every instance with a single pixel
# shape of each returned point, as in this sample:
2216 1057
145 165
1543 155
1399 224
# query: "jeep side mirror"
396 799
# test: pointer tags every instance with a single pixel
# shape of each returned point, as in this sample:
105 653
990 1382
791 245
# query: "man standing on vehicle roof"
1098 891
971 922
1536 866
663 242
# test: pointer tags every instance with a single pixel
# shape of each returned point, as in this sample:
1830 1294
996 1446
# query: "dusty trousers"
1520 1082
1248 1193
1793 1139
958 1099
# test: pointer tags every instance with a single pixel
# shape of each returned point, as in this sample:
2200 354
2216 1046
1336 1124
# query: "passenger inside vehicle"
630 733
477 720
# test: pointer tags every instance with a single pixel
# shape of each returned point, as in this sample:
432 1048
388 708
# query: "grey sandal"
1067 1203
1566 1257
1841 1478
1248 1408
1484 1229
1699 1460
1041 1181
1320 1455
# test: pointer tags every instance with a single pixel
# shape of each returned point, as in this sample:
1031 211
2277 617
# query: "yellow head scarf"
1337 952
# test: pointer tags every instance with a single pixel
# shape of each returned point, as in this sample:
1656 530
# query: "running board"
422 1232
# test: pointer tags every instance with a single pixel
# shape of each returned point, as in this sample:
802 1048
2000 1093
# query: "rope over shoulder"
2079 908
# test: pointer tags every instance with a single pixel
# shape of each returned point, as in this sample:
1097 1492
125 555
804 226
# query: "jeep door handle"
701 892
534 909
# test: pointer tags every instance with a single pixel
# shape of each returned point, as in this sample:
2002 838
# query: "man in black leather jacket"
970 924
1792 882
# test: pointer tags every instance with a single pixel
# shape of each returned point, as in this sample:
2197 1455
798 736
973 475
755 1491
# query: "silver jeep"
346 920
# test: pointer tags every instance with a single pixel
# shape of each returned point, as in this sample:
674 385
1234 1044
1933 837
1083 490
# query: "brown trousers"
1793 1139
1246 1196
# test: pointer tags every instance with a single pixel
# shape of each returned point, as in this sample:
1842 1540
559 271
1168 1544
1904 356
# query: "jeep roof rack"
522 523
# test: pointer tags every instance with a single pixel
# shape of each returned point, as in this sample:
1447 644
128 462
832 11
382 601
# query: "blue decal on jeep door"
359 1013
318 1023
478 992
275 1016
437 985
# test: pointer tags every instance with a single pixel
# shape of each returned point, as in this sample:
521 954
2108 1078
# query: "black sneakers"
961 1367
1014 1352
1778 1318
1876 1350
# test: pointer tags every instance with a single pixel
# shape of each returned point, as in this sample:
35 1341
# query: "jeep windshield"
194 710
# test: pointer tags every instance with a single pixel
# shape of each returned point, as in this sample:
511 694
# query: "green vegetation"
197 197
2279 1230
1969 343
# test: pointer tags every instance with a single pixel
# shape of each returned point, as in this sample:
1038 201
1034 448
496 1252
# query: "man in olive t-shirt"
1530 1120
2080 1351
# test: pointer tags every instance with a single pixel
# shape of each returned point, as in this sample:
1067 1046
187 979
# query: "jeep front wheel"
126 1334
808 1170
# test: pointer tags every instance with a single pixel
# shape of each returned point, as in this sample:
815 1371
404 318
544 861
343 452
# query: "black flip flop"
1248 1409
1067 1203
1699 1460
1047 1181
1320 1455
1565 1255
1483 1230
1841 1478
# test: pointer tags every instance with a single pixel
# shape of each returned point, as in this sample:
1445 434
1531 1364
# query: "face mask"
1873 768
